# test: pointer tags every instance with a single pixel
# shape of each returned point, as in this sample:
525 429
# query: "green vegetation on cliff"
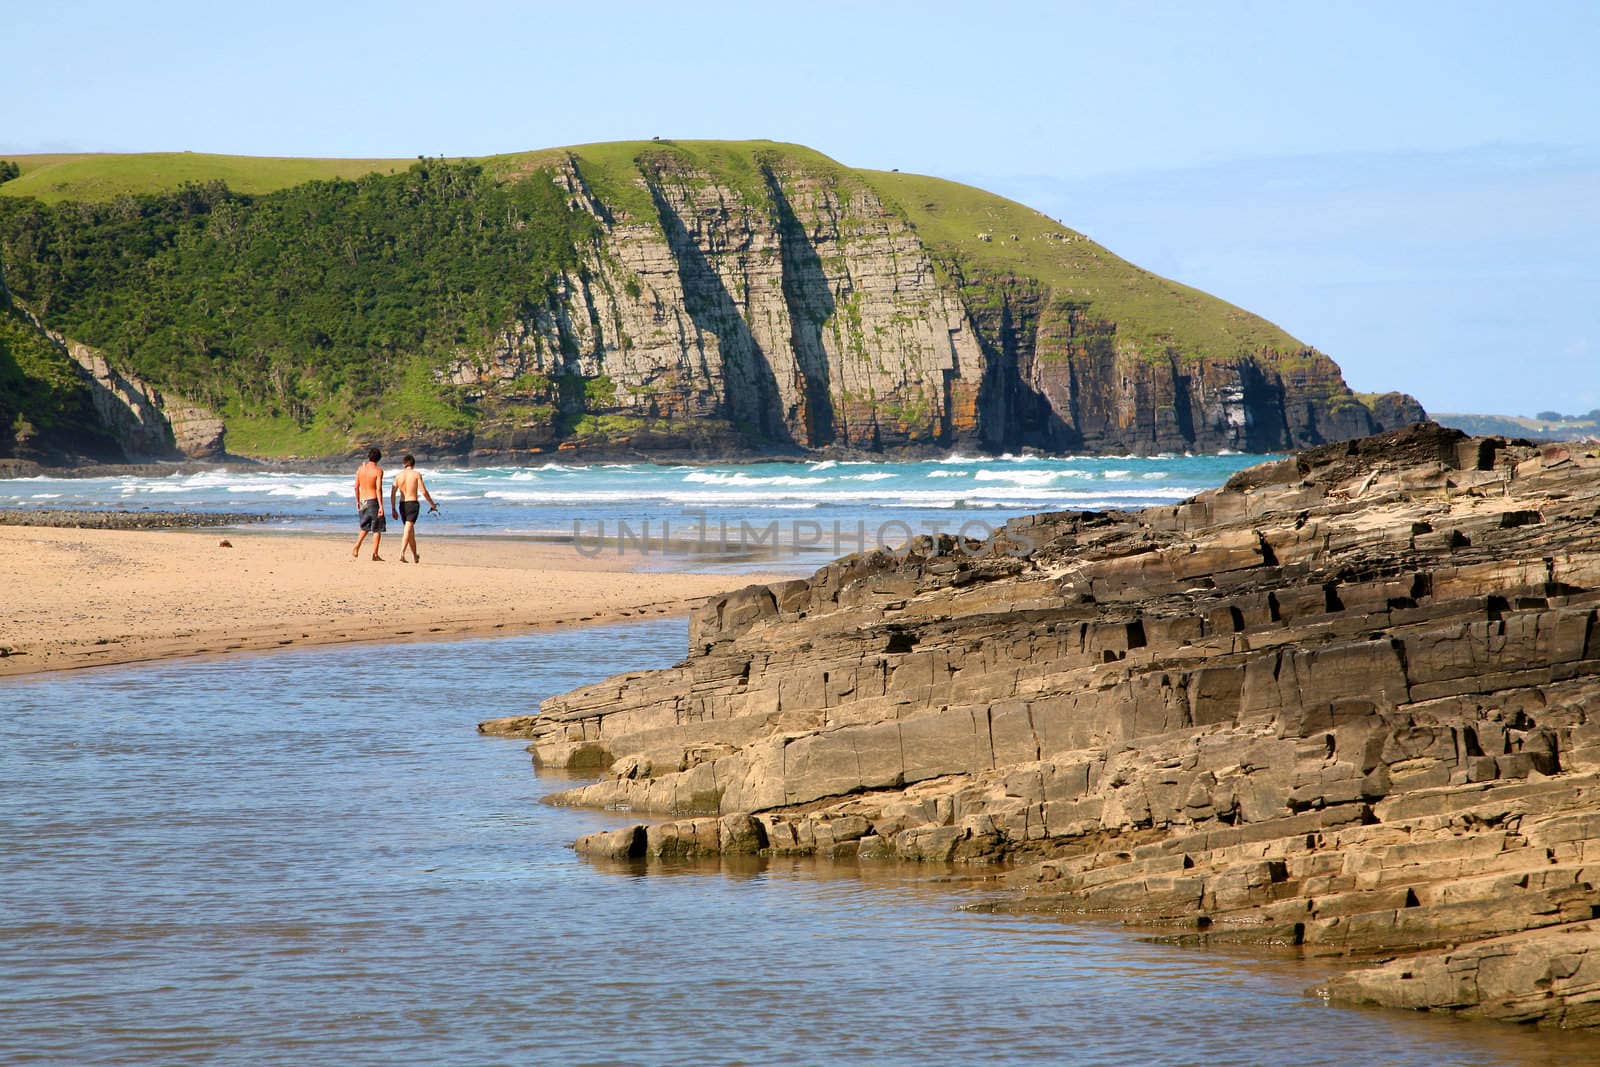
307 315
104 176
42 395
990 240
315 304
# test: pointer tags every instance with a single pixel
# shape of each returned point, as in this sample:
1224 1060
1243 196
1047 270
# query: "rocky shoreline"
126 520
1347 703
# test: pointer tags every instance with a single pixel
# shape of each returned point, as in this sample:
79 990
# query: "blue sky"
1412 187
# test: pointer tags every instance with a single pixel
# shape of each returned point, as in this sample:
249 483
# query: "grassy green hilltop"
105 176
949 216
305 316
1161 313
310 302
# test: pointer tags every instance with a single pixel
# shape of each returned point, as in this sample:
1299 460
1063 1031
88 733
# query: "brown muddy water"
311 857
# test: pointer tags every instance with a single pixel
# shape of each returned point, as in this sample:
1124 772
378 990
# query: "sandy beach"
84 598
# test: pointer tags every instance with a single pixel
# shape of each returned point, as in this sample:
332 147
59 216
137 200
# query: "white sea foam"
741 478
556 496
302 492
991 496
1036 478
485 499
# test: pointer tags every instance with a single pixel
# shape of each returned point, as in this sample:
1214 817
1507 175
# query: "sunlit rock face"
1348 702
800 310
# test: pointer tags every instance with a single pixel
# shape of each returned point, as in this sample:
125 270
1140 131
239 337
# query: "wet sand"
83 598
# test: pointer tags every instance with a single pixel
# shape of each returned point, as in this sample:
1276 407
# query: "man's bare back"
407 485
408 482
369 478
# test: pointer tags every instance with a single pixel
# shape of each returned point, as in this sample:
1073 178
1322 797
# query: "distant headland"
683 298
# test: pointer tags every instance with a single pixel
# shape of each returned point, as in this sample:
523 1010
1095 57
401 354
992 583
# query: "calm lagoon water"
311 857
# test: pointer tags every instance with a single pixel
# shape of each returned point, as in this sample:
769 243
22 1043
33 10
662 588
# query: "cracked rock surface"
1349 702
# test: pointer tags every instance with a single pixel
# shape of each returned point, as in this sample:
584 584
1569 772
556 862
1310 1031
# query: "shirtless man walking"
408 483
369 503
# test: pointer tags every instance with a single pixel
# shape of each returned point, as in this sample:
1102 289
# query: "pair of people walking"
403 503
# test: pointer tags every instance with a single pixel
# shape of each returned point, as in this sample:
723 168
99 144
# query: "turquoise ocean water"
811 511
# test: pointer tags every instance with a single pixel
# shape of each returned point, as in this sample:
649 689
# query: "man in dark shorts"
369 503
407 485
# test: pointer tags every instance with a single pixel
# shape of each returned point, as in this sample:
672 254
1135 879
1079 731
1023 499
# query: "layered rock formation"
797 305
1347 703
804 314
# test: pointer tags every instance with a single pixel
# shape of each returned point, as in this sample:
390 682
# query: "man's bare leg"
410 542
355 553
377 539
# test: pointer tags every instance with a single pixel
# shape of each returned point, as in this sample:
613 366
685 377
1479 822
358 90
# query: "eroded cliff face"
126 417
796 310
146 424
801 314
1060 380
1347 703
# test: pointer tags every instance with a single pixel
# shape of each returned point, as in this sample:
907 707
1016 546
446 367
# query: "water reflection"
311 856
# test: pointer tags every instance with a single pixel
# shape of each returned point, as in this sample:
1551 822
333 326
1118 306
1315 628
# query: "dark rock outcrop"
1058 379
1350 703
126 520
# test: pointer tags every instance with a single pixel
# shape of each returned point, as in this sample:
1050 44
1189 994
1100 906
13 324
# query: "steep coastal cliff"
1346 703
62 402
694 297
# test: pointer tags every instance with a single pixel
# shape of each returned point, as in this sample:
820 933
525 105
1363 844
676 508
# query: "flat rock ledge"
1350 703
125 520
